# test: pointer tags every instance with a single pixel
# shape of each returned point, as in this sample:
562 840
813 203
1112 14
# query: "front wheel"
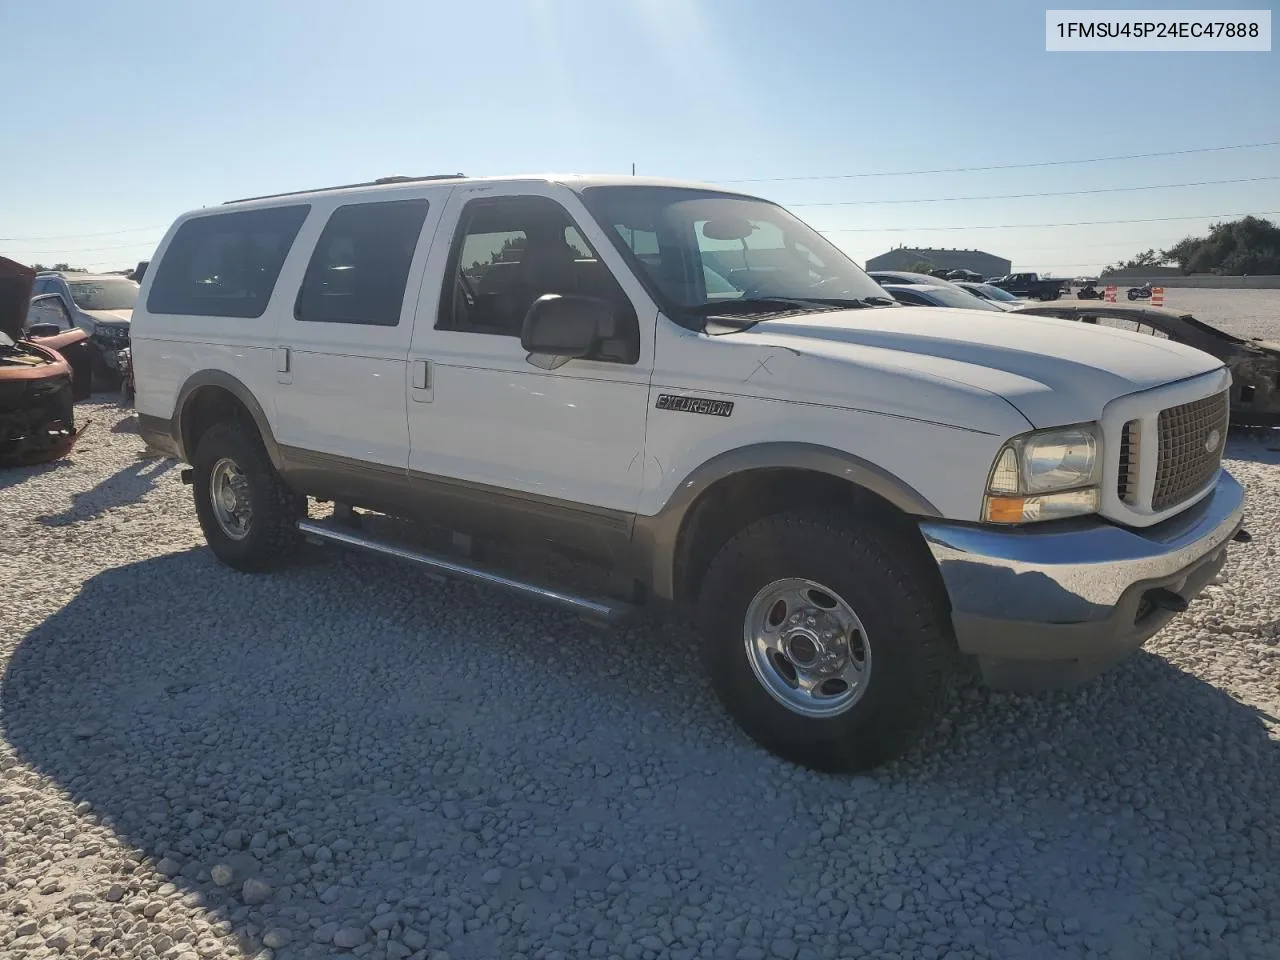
825 639
248 514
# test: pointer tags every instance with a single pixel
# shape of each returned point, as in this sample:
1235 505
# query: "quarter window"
226 264
360 265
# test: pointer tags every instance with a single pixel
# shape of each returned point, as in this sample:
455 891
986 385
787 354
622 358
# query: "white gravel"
345 758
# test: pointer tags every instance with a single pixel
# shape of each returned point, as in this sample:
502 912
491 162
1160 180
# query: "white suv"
701 395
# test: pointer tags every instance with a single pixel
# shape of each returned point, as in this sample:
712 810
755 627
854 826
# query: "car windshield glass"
699 248
952 297
104 294
995 293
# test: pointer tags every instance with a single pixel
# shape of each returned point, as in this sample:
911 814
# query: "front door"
497 438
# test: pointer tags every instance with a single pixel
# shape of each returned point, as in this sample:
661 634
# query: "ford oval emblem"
1212 440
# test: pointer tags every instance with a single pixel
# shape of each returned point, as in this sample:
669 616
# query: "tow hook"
188 475
1243 536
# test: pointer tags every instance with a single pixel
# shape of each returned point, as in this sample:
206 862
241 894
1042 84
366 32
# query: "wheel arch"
730 490
212 395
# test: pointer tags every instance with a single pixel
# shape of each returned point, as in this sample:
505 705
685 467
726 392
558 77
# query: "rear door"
341 349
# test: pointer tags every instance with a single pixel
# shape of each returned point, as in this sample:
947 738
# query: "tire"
905 638
270 533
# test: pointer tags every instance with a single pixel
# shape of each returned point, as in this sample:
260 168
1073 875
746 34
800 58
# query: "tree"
921 266
1148 258
60 267
1249 245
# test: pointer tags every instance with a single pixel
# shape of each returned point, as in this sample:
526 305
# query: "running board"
593 609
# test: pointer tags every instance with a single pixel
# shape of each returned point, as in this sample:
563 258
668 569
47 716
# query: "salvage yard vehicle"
842 493
37 386
101 305
1029 285
1254 364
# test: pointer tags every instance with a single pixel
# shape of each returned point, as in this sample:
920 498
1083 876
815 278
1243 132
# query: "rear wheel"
248 514
825 639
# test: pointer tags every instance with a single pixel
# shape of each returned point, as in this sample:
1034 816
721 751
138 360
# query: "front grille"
1189 451
1127 479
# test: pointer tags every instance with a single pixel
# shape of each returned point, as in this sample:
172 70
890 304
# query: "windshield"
104 294
700 248
995 293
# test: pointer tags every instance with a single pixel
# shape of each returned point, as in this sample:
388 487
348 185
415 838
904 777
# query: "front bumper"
1078 595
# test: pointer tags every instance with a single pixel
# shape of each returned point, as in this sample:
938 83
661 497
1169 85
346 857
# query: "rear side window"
225 265
358 270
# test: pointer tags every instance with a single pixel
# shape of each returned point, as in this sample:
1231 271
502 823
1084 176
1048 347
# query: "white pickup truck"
702 397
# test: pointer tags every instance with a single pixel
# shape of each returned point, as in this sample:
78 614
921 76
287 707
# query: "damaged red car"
42 374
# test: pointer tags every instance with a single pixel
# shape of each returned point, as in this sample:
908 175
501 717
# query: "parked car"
986 291
844 494
1254 363
101 305
936 295
37 403
959 295
48 325
1029 285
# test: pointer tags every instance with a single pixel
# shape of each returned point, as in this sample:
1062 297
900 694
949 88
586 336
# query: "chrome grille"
1127 479
1189 450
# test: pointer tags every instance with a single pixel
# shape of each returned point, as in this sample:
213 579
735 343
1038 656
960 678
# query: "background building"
909 258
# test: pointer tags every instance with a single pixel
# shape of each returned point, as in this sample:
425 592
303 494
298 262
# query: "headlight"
1046 475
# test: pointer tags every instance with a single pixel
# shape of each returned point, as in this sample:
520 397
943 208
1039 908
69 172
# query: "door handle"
284 366
420 377
422 374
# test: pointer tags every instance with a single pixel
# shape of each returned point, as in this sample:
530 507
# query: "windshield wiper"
750 305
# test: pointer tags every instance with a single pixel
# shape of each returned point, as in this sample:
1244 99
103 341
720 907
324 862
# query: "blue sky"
141 109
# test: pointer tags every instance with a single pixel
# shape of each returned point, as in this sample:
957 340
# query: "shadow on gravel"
128 486
12 476
506 779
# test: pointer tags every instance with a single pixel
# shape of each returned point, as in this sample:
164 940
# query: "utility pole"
633 169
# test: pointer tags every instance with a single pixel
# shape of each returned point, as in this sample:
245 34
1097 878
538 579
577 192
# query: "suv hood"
117 317
16 281
1053 371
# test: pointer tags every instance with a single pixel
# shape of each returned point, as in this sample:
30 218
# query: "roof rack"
348 186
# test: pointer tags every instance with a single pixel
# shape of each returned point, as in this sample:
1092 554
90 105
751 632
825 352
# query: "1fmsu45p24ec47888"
700 395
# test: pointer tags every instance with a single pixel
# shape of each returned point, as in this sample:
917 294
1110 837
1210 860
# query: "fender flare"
225 381
657 538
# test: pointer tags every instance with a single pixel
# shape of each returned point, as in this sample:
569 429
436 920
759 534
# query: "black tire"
892 593
272 534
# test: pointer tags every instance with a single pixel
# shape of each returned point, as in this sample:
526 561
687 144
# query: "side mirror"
558 328
44 330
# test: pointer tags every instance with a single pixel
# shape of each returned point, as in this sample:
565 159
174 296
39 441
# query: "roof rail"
348 186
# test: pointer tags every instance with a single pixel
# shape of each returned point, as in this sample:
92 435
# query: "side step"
608 611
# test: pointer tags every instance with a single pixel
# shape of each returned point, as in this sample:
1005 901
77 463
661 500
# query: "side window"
510 251
39 287
49 310
358 270
911 297
225 264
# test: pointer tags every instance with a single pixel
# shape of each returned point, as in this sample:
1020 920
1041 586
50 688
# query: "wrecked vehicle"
37 385
1254 363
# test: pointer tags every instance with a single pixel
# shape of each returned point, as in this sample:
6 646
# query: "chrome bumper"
1078 590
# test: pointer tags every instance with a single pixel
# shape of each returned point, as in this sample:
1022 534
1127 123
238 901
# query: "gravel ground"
347 758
